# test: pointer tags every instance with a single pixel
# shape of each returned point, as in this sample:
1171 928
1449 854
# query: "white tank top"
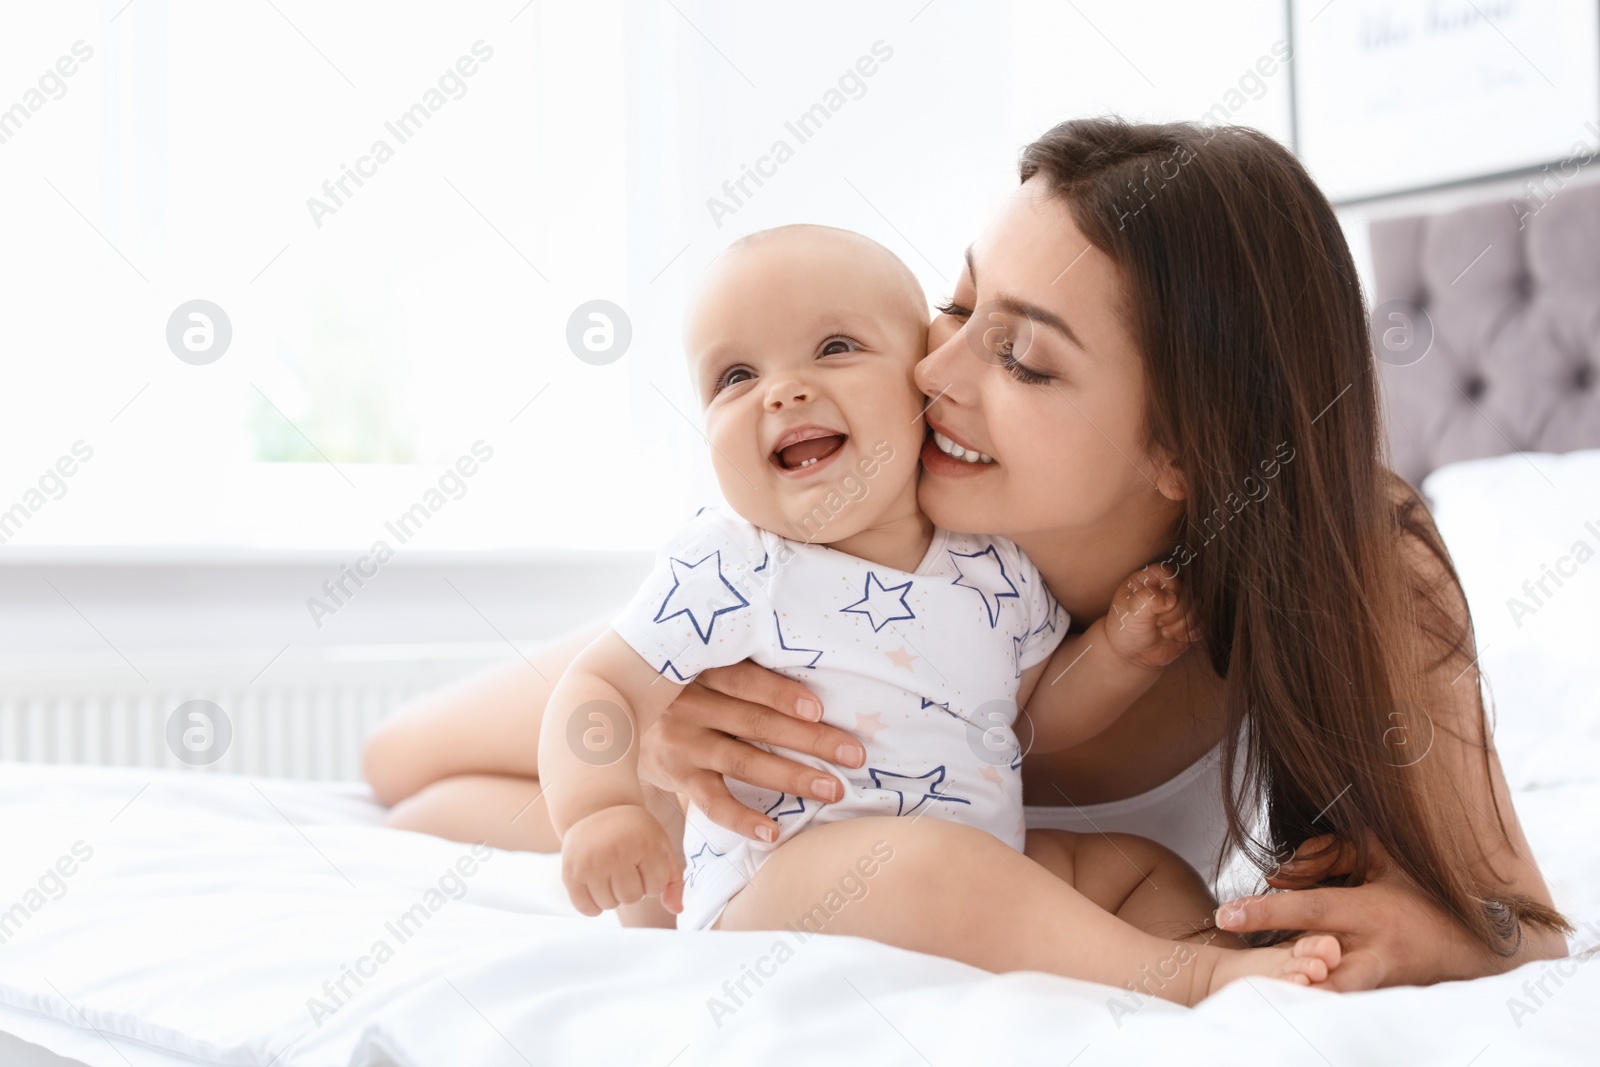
1184 813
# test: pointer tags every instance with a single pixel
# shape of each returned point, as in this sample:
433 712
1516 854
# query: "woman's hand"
1390 932
705 734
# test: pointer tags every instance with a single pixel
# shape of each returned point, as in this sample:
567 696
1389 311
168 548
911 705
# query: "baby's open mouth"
804 448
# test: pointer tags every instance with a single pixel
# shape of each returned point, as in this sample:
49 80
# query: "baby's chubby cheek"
745 475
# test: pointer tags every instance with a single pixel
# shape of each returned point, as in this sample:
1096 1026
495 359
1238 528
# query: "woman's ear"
1169 480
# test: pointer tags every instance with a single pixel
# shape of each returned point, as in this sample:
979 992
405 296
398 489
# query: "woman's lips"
937 463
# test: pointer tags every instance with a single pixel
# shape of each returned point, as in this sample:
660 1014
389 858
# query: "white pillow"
1524 530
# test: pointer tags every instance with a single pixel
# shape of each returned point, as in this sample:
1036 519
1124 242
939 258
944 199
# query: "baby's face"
802 345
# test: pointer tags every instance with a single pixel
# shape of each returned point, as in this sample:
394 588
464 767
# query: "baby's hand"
620 855
1151 623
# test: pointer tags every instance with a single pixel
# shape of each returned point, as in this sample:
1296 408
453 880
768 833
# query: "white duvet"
154 918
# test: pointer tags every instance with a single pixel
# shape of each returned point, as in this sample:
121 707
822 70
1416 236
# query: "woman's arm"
1391 931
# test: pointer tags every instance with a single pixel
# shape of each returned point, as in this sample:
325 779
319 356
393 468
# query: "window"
399 314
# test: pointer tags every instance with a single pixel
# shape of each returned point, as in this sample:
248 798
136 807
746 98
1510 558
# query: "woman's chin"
956 505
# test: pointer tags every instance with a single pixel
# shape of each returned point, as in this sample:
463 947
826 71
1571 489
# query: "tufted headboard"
1510 294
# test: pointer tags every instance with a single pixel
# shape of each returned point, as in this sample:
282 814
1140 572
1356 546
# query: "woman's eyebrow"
1032 312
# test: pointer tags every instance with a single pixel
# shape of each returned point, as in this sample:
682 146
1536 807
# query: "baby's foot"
1307 961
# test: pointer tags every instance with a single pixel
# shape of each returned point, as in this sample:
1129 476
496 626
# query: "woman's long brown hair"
1299 547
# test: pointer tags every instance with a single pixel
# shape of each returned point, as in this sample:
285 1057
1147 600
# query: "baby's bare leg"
954 891
1140 882
503 811
461 762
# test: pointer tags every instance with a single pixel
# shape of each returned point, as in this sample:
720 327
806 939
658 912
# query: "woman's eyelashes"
1018 370
1002 343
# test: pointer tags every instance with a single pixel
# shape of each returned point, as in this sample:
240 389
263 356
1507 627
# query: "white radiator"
304 715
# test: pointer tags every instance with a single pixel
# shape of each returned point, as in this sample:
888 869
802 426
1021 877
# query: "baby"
920 642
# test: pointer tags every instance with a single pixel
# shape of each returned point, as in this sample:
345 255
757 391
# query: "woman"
1161 342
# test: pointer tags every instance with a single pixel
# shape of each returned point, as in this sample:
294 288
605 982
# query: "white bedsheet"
213 909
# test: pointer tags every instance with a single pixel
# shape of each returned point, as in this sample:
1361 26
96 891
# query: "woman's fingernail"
767 833
851 754
826 788
808 709
1229 914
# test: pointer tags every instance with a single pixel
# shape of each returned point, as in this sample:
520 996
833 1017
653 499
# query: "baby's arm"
613 851
1094 677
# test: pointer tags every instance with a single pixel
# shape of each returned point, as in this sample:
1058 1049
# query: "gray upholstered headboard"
1511 292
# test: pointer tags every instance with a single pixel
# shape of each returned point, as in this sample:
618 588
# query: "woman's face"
1032 365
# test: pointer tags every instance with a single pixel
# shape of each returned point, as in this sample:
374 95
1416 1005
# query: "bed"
154 918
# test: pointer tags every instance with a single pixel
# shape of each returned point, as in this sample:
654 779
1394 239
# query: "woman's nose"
947 371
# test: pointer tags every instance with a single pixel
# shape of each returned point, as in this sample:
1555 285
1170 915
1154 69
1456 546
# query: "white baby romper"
922 667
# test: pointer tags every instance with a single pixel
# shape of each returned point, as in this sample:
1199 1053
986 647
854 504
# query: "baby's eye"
733 376
834 346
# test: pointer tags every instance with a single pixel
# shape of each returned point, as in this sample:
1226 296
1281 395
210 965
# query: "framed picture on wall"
1392 96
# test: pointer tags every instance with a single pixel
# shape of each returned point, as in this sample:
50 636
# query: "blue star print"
925 787
699 861
879 602
778 811
944 707
677 675
781 644
1049 619
699 587
985 568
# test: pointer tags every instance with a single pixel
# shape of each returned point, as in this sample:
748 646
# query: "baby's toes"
1316 956
1306 970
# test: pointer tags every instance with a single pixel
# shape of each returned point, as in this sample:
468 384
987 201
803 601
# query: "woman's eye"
837 345
950 307
733 376
997 344
1015 368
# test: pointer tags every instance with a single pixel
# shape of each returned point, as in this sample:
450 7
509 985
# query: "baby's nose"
782 393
